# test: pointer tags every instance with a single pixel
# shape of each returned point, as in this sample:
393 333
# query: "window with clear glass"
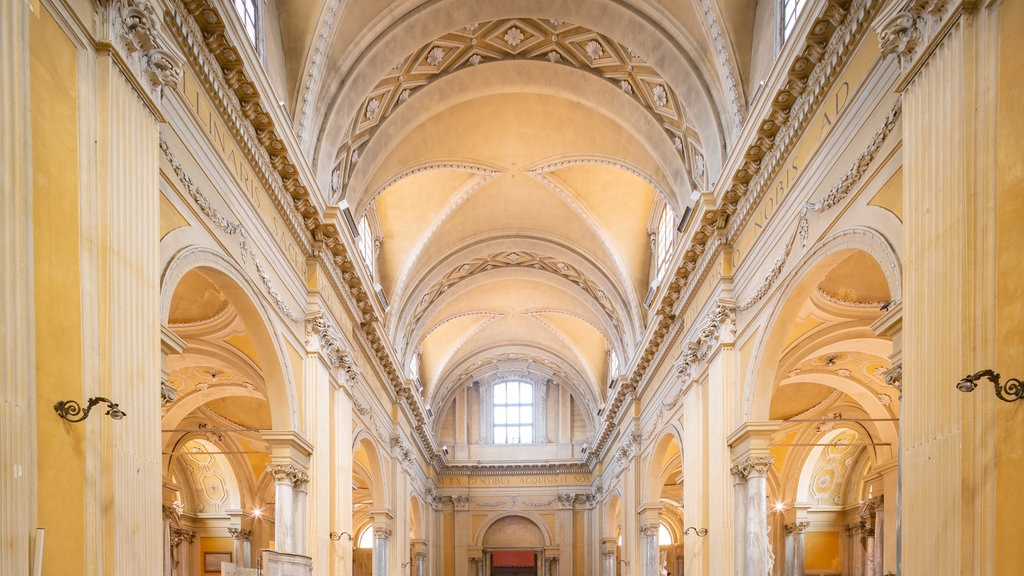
513 413
664 536
790 10
664 240
365 538
365 243
247 12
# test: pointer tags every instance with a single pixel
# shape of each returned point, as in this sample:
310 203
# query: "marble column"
381 550
739 532
300 492
649 548
17 303
418 548
181 551
236 545
246 549
284 506
855 550
796 561
609 548
757 560
867 515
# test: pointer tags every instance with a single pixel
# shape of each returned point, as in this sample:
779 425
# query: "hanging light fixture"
72 411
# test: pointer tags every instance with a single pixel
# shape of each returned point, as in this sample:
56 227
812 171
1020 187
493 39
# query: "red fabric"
513 558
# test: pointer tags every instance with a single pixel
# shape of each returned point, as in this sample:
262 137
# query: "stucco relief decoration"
521 38
660 95
831 468
514 36
905 30
139 35
854 173
719 326
510 259
227 226
436 56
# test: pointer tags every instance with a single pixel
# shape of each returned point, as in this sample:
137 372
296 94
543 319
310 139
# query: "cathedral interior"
511 287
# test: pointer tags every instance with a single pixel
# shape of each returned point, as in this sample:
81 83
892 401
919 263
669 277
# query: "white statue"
664 563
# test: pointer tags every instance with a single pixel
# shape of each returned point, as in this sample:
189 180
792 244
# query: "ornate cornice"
514 469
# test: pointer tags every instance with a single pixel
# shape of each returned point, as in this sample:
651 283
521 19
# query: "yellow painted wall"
1010 308
821 550
214 545
58 310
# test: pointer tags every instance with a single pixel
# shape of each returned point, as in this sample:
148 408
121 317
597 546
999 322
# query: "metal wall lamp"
71 410
1010 392
337 536
624 562
702 532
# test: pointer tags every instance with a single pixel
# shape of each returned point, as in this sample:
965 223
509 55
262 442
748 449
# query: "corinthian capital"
753 466
283 473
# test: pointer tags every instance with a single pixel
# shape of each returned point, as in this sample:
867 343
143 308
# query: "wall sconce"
702 532
69 409
1011 392
337 536
624 562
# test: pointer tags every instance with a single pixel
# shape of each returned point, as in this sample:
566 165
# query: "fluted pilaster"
17 330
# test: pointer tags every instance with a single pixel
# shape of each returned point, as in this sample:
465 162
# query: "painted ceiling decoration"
553 41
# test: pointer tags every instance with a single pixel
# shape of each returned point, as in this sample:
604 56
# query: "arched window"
247 12
365 538
513 413
664 536
664 241
790 10
365 243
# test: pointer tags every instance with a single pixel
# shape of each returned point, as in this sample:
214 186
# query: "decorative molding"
515 259
540 171
558 43
797 527
753 466
857 169
908 27
228 227
136 29
894 377
835 195
315 68
738 109
719 326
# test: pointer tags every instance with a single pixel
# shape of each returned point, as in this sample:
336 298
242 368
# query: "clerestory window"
790 10
247 12
664 241
513 413
365 244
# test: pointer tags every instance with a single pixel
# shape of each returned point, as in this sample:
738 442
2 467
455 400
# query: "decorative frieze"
226 226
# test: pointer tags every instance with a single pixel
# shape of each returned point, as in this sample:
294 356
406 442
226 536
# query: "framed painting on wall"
212 561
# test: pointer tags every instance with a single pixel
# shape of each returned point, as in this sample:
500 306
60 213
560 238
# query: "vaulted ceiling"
513 159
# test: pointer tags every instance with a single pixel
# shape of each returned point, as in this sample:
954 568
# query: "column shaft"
17 330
